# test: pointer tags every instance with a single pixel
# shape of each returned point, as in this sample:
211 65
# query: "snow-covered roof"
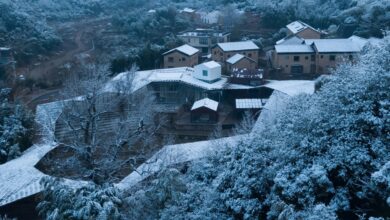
19 178
234 59
292 87
298 26
238 46
361 42
293 48
335 45
152 11
207 103
176 154
180 153
292 39
186 49
250 103
211 64
182 75
5 48
189 10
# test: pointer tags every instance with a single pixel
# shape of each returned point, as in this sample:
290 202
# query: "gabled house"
183 56
204 39
205 111
224 51
315 56
303 30
240 62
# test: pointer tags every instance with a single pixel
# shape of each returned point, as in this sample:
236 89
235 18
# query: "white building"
209 72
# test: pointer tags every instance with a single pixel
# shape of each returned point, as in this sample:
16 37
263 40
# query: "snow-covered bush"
61 201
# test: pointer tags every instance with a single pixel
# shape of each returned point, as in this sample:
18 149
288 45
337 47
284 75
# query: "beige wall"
286 61
322 64
325 63
220 56
244 63
309 33
180 60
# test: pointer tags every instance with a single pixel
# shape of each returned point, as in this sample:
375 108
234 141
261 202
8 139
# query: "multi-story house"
183 56
303 30
314 56
223 52
240 62
204 39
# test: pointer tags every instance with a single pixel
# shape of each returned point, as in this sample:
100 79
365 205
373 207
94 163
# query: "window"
296 58
205 73
183 59
306 57
170 59
313 58
322 56
297 69
220 54
189 40
249 55
228 56
203 41
350 57
332 57
215 52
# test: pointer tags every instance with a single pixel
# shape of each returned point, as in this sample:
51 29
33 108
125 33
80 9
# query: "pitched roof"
250 103
234 59
334 45
293 48
237 57
207 103
186 49
238 46
292 39
298 26
211 64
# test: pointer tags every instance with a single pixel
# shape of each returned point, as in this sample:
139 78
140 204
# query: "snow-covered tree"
325 158
15 128
61 201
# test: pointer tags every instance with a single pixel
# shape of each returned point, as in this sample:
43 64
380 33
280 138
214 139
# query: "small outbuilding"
205 111
208 72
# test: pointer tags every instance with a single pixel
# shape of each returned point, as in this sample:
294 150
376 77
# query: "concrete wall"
180 60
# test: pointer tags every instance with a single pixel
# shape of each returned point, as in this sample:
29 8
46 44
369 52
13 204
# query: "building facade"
222 52
315 56
183 56
303 30
240 62
204 39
